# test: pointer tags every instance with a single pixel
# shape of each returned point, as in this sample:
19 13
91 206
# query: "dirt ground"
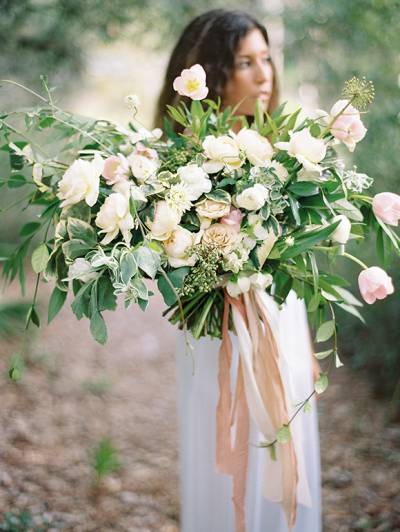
75 392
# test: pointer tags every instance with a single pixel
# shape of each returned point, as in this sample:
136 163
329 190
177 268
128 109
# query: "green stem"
328 127
355 259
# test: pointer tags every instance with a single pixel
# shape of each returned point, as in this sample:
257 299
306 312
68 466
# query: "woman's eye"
267 59
243 64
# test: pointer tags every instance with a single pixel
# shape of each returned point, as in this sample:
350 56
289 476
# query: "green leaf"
148 260
313 303
30 228
325 331
294 205
80 211
81 303
321 384
107 300
80 230
128 267
57 300
283 435
219 195
323 354
304 188
33 317
272 451
176 278
75 248
16 181
306 240
39 259
98 328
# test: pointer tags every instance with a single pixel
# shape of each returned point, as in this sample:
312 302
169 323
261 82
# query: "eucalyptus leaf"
148 260
40 257
128 267
321 384
98 328
323 354
283 435
57 300
325 331
176 278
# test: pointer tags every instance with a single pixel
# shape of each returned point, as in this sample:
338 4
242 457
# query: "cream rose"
114 216
308 150
222 237
196 180
258 149
81 182
165 221
222 152
212 209
252 198
177 245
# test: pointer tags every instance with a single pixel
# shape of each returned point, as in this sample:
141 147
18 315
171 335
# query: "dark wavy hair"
211 40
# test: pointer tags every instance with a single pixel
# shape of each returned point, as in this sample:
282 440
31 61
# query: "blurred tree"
50 36
326 43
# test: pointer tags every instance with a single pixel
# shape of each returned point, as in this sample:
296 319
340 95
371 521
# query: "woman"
233 48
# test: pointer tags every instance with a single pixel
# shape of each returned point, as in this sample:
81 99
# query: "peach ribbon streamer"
232 459
260 389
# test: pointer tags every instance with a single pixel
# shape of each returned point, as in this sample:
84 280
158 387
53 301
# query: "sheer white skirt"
206 494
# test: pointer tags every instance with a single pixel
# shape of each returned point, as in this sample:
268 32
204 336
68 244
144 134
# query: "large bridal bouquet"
227 217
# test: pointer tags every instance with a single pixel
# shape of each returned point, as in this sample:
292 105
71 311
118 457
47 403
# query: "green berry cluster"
177 157
360 92
203 276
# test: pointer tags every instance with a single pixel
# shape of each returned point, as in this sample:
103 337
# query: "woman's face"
252 76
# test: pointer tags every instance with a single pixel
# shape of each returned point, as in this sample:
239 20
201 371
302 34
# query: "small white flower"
342 232
196 179
355 181
177 245
114 216
308 150
164 222
132 101
258 149
142 167
280 171
222 152
252 198
81 182
177 198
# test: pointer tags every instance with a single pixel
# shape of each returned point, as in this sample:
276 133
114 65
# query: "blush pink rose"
233 219
150 153
116 169
374 283
348 127
386 207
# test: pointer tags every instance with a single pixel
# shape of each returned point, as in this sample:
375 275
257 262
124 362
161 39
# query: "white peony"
81 182
258 149
308 150
114 216
252 198
177 245
260 281
222 152
196 179
142 167
164 222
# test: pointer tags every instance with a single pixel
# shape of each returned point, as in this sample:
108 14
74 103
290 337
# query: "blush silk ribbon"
262 393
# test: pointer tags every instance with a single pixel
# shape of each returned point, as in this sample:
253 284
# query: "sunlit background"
89 433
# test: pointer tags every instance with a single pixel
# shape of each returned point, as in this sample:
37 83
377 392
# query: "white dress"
206 504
